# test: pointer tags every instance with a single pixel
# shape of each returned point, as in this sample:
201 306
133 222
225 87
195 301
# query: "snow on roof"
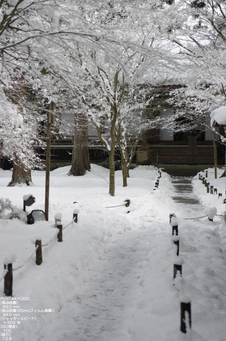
218 116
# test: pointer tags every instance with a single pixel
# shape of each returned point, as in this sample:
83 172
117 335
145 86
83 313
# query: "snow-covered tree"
198 31
30 56
94 52
18 137
106 77
20 21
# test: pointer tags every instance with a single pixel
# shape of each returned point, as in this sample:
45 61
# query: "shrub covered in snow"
8 211
210 212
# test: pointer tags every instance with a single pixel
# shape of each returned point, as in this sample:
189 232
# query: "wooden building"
158 146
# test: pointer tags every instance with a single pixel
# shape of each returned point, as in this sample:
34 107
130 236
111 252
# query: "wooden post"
211 189
171 216
215 190
175 229
185 308
58 218
177 267
60 233
75 215
177 243
38 246
57 221
8 279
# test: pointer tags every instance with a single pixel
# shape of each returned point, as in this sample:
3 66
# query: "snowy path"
185 198
114 305
111 292
184 191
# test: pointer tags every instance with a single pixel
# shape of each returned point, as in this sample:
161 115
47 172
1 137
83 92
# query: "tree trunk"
114 114
80 155
21 175
124 173
112 170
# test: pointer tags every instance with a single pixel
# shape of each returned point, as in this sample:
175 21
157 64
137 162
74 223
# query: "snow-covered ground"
111 279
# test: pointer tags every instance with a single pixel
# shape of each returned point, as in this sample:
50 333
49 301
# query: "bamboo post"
8 279
185 320
60 233
38 246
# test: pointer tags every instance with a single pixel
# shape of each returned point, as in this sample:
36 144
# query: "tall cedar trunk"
21 175
80 155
